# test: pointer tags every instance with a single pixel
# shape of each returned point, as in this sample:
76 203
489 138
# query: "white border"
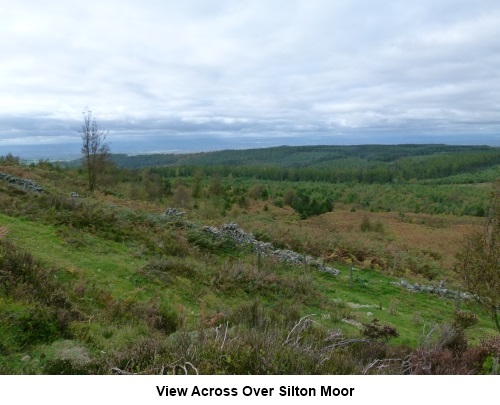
141 390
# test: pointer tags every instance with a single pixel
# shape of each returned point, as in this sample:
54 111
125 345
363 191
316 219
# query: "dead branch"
183 367
379 364
340 343
304 324
160 371
225 335
118 371
193 367
345 342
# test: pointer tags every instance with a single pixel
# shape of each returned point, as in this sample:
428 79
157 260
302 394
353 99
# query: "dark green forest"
334 164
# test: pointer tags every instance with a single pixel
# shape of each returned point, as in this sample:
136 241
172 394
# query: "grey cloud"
281 68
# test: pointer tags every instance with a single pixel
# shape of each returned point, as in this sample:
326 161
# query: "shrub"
289 197
258 191
211 243
376 331
34 324
146 355
251 314
367 226
464 319
182 196
158 315
338 310
434 361
24 278
308 206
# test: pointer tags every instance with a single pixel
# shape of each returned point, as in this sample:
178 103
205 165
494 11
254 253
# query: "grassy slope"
411 313
113 267
94 259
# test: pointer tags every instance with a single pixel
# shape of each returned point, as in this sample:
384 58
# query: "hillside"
368 164
297 156
105 282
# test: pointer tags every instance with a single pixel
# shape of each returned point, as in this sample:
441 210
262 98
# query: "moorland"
286 260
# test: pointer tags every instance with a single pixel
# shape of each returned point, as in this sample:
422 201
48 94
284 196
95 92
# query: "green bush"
210 243
33 324
308 206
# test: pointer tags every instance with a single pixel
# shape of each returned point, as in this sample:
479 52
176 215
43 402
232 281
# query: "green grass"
413 314
112 266
107 263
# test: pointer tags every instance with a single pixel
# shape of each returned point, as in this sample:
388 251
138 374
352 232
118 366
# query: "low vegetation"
102 282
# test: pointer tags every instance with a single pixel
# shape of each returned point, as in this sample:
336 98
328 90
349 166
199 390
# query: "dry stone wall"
266 249
440 290
26 184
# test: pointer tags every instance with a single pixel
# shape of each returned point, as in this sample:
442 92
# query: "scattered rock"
26 358
357 306
173 213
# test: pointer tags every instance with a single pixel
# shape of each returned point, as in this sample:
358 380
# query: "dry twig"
379 365
304 323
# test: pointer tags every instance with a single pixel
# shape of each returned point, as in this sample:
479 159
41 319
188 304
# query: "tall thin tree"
95 152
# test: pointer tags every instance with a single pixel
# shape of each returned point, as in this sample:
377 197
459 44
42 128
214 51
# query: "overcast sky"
275 69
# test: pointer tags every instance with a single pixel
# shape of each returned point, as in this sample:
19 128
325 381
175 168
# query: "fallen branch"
304 323
183 367
345 342
383 364
173 367
118 371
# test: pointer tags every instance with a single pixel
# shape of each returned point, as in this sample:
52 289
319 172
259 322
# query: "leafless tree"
94 149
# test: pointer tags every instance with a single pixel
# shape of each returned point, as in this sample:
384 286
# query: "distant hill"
293 156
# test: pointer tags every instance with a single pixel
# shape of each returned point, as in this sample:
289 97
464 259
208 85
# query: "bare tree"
94 150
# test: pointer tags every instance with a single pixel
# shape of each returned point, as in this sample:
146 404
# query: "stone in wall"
26 184
266 249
